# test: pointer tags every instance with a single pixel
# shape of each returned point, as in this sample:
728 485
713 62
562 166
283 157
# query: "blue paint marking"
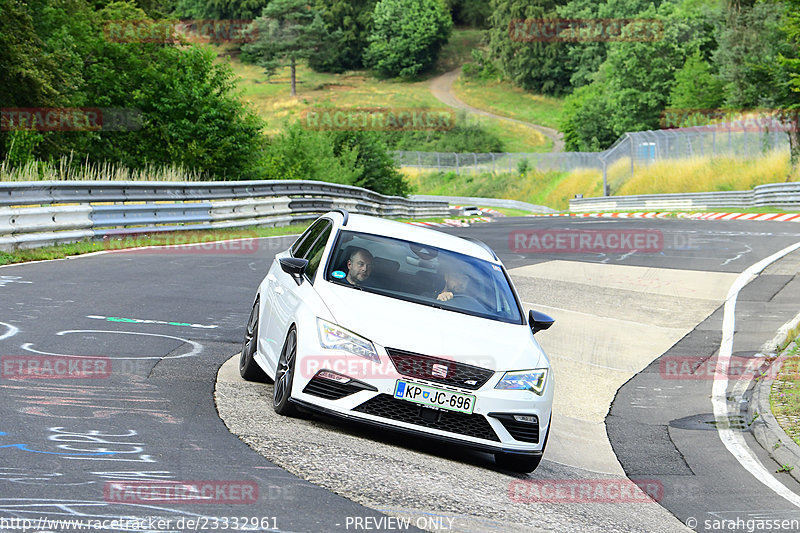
24 448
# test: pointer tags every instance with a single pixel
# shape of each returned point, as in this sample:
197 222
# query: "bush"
351 158
464 137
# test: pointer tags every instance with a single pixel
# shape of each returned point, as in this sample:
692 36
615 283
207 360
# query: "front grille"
458 374
521 431
333 390
386 406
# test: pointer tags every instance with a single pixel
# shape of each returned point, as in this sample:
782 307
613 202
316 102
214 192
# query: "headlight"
532 380
334 337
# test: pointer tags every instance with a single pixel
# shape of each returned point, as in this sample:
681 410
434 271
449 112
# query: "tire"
524 464
248 368
284 377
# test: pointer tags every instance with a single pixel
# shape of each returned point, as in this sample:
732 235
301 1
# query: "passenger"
359 266
455 284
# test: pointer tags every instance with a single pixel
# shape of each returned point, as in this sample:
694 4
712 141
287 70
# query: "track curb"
766 429
758 217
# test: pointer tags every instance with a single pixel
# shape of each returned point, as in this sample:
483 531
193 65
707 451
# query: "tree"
288 31
474 13
789 63
407 36
585 58
758 60
696 87
376 170
536 66
220 9
353 19
585 119
190 114
750 40
634 83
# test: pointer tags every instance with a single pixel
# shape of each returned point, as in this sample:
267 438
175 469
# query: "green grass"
784 398
458 49
270 97
502 98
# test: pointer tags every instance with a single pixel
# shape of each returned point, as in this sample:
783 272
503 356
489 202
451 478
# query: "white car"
406 328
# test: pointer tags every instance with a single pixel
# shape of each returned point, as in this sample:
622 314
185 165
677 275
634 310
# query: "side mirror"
294 267
539 321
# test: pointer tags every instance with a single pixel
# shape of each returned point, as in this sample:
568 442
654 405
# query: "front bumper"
391 426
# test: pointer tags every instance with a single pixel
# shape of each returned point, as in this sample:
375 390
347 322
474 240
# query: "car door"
269 345
287 295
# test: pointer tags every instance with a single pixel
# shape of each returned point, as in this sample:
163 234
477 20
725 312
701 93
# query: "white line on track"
734 440
12 330
196 346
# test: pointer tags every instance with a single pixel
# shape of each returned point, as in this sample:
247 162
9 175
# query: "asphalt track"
167 321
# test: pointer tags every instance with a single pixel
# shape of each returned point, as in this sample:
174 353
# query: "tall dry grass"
64 170
705 174
554 189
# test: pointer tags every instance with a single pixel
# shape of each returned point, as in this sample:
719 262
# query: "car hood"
436 332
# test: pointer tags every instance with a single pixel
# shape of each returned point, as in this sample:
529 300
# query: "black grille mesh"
333 390
521 431
386 406
421 367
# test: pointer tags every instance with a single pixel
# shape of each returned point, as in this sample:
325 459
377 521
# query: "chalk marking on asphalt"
12 330
147 321
196 346
734 440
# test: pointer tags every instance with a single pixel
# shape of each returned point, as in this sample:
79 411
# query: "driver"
359 266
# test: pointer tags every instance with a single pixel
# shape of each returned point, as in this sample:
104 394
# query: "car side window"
303 244
315 252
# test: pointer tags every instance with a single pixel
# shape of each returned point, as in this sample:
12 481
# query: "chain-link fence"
639 148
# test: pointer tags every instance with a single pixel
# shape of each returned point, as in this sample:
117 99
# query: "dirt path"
442 88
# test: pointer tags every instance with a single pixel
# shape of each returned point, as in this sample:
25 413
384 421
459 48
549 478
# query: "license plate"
433 397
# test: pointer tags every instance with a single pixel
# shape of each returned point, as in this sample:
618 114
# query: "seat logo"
439 371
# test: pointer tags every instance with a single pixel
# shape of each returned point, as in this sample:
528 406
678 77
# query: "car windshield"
422 274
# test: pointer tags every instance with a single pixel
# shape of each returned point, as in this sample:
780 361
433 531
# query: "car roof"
410 232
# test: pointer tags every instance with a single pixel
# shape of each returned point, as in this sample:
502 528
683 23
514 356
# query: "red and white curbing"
778 217
453 223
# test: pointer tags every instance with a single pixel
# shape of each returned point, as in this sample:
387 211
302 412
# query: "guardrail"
40 213
783 195
489 202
